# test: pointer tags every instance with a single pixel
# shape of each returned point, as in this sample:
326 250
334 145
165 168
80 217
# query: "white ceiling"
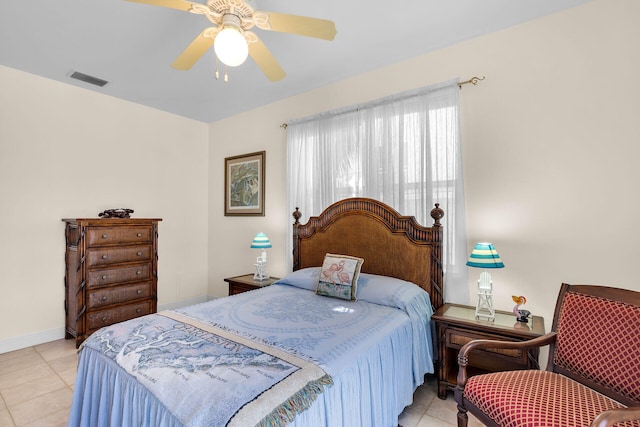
132 45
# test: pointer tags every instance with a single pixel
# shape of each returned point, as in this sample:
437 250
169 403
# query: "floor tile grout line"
13 420
70 387
54 370
50 367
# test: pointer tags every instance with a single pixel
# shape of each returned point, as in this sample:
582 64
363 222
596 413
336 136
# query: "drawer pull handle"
104 298
104 236
138 310
104 319
138 272
104 277
139 291
139 234
104 257
139 253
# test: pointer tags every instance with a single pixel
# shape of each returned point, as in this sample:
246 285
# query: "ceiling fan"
231 36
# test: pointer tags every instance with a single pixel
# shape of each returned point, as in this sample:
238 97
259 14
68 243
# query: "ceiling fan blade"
172 4
196 49
265 60
301 25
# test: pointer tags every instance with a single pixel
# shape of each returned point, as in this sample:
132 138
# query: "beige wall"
550 147
69 152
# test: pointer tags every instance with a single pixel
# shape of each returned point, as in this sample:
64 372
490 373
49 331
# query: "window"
403 150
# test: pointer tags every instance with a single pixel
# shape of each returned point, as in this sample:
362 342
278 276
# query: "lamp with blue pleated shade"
484 255
261 241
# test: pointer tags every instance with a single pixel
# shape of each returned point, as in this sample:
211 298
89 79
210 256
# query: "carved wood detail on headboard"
391 244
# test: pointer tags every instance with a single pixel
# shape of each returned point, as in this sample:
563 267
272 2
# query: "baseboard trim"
30 340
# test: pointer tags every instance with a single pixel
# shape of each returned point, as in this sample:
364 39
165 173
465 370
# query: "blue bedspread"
375 355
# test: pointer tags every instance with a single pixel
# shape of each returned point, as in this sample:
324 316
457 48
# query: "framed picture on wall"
244 185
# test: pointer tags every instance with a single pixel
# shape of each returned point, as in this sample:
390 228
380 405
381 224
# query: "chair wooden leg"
463 419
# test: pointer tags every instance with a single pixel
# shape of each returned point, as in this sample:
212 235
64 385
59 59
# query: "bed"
295 353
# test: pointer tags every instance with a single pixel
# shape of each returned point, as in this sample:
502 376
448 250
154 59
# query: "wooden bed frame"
391 244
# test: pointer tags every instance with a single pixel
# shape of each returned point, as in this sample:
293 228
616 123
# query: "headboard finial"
296 215
437 214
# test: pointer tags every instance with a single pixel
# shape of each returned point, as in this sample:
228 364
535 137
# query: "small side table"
244 283
456 325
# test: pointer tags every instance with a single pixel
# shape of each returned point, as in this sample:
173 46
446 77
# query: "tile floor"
36 384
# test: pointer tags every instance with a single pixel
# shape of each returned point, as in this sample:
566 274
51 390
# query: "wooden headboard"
391 244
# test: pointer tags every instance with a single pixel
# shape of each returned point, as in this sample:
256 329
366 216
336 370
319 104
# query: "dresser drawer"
457 338
119 294
101 318
108 276
106 256
98 236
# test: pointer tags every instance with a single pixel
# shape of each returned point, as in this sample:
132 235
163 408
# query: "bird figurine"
521 315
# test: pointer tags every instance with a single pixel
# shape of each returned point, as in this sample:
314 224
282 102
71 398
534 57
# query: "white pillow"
305 278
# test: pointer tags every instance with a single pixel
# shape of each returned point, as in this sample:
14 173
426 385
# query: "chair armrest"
613 416
463 358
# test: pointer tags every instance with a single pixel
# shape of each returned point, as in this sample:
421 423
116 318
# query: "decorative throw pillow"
339 276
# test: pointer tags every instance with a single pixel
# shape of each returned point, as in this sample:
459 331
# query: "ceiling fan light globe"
231 47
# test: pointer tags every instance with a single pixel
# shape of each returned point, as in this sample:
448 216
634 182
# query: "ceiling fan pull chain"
217 73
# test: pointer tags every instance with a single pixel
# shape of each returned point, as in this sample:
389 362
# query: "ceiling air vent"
88 79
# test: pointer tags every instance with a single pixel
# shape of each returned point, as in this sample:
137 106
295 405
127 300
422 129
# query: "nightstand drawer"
238 288
246 282
457 338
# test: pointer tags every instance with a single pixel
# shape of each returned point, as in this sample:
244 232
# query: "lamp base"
262 272
484 308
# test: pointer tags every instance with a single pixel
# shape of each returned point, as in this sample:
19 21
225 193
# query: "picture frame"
244 184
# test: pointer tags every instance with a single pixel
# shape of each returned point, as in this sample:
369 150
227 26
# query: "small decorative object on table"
521 315
116 213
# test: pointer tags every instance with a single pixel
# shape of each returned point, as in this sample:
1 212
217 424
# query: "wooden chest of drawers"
111 272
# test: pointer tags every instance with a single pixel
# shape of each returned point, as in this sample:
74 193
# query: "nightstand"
456 325
244 283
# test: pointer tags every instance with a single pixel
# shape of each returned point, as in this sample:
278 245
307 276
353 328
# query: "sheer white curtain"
403 150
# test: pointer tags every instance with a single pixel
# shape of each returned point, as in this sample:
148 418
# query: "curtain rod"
473 80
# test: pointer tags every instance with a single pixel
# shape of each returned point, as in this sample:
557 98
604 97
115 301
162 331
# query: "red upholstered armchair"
592 377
